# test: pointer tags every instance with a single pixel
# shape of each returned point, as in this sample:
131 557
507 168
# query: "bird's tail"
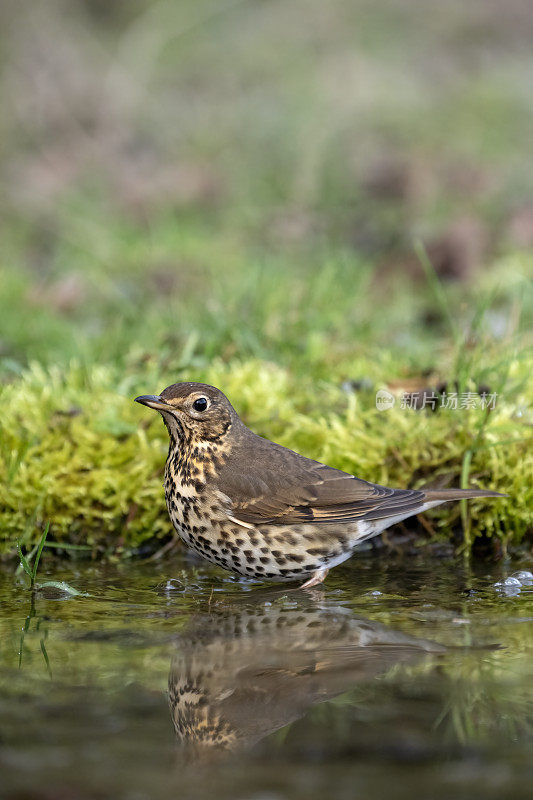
443 495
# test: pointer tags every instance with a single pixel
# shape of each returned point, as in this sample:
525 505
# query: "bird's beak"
152 401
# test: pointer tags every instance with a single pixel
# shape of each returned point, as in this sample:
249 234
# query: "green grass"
35 556
174 213
77 450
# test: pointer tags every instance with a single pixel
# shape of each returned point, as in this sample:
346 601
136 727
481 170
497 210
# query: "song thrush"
261 510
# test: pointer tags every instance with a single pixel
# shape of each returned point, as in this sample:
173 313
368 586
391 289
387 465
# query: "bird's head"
193 412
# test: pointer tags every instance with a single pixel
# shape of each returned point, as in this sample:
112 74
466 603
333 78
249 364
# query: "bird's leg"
317 578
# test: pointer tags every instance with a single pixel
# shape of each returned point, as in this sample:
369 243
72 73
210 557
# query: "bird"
261 510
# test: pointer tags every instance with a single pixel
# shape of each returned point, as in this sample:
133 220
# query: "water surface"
403 674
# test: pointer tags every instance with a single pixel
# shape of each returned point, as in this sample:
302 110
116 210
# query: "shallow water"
402 675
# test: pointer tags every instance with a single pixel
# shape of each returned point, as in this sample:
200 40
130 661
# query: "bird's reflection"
241 673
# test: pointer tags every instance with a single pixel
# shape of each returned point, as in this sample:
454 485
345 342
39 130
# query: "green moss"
77 451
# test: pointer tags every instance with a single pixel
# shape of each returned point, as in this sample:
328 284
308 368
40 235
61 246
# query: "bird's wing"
280 487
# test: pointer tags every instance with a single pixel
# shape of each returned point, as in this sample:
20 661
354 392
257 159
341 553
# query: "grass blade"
23 561
436 287
62 586
40 550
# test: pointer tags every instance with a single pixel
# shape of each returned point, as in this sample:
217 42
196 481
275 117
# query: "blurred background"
147 144
231 191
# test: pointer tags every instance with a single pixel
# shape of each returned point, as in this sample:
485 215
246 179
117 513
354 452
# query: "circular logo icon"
384 400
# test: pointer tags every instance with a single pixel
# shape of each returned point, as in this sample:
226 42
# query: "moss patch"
78 452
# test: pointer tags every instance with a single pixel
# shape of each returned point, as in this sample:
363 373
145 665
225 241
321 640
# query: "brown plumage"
260 509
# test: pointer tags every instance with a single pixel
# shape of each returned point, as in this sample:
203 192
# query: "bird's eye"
200 404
